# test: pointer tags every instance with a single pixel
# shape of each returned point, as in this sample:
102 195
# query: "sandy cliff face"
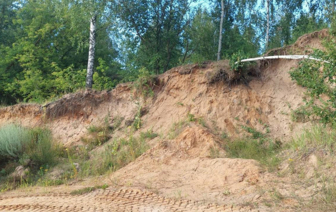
180 166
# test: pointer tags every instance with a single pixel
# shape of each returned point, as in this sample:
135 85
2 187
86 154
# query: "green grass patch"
115 156
264 151
318 137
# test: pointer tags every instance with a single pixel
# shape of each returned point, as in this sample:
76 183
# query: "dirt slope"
267 100
180 167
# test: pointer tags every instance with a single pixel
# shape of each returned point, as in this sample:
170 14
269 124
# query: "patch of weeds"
202 122
114 156
88 190
38 153
300 115
145 83
236 118
180 103
117 122
317 137
255 134
148 134
191 117
263 150
137 119
277 195
176 129
97 135
214 152
224 136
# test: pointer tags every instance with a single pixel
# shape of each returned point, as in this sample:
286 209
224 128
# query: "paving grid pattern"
102 200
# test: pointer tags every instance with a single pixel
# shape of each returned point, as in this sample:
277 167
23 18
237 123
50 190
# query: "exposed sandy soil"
180 167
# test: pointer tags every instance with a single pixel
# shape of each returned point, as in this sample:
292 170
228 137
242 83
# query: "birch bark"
220 32
268 23
90 66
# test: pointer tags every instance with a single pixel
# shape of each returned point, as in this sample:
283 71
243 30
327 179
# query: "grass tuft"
12 140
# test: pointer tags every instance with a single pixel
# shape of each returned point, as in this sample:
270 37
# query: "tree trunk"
89 75
220 32
268 23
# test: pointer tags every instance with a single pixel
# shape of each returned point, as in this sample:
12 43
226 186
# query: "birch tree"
268 22
220 31
91 58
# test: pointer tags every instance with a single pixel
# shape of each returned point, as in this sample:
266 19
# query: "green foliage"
158 28
319 79
12 140
145 83
235 61
47 54
199 39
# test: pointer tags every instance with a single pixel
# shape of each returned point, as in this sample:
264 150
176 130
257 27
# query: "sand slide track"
102 200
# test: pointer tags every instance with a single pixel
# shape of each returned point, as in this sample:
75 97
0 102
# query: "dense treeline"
44 43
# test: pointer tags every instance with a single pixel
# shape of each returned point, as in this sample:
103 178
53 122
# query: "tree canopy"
44 43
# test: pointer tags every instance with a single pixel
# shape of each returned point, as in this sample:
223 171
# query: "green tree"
200 39
157 26
49 52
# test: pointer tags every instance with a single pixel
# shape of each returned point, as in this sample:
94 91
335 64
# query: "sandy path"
102 200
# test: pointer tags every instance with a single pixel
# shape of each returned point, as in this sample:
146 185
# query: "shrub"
40 149
319 79
12 140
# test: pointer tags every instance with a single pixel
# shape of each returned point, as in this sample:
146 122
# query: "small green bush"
12 140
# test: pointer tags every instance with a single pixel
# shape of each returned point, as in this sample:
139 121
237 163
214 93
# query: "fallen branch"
291 57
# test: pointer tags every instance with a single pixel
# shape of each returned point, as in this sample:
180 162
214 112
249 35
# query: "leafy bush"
12 140
319 78
235 61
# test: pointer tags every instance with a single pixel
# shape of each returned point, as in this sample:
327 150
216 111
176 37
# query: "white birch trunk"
89 75
220 32
268 23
